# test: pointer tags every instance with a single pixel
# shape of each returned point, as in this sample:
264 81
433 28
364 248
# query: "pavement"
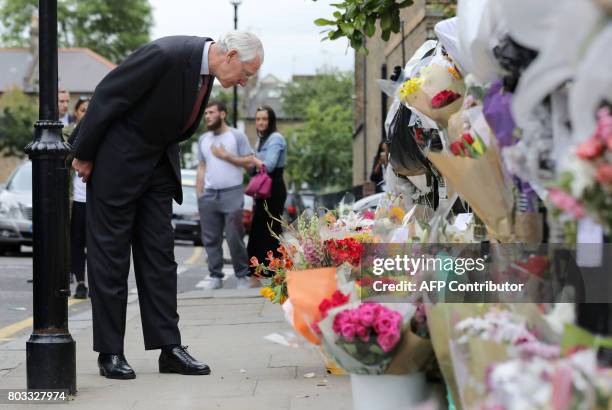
225 328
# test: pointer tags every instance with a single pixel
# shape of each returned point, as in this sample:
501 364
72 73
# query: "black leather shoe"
178 360
81 291
115 366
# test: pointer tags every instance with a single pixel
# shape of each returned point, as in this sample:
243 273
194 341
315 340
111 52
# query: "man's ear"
223 115
231 54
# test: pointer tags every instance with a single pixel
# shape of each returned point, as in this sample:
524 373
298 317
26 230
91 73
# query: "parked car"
16 210
369 202
186 217
293 206
309 199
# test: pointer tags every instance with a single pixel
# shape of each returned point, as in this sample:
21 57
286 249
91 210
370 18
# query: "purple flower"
496 109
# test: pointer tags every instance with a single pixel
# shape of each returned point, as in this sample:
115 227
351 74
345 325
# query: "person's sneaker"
243 283
248 282
81 291
215 283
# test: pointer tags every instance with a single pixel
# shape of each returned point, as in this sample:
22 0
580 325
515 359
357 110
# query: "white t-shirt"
79 189
221 174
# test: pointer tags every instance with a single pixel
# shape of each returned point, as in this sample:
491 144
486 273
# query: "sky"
292 42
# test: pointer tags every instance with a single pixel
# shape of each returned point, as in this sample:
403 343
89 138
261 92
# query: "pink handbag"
260 186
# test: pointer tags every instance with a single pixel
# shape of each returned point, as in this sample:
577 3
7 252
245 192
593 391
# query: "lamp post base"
51 362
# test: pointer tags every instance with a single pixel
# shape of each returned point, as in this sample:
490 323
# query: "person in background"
78 222
223 153
63 103
378 168
272 153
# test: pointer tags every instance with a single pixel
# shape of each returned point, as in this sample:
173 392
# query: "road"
16 291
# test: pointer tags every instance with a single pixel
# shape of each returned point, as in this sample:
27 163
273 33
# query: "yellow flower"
396 214
363 237
330 218
409 87
283 299
268 293
478 146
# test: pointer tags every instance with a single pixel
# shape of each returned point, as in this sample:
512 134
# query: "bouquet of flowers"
574 382
585 186
373 338
274 275
437 91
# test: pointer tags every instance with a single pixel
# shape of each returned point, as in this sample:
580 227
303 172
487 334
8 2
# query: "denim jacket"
273 153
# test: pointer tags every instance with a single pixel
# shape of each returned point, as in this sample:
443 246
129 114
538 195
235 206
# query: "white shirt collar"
205 70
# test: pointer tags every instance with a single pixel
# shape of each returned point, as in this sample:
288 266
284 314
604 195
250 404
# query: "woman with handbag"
271 155
78 223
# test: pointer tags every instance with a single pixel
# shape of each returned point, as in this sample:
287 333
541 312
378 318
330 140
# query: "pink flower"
369 214
384 323
444 98
354 316
591 148
604 123
566 202
367 314
348 331
604 174
339 320
562 383
389 340
363 333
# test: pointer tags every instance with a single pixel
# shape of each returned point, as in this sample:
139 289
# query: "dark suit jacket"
137 115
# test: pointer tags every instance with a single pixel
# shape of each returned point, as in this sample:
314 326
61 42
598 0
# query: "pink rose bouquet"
585 185
372 338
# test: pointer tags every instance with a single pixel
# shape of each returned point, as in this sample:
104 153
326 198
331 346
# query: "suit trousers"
144 225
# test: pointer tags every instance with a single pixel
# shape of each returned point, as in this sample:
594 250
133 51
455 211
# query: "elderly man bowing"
126 148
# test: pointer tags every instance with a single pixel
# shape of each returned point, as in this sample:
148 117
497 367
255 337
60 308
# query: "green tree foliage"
319 151
112 28
18 112
356 20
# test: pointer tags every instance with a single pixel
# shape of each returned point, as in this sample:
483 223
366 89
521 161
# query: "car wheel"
8 249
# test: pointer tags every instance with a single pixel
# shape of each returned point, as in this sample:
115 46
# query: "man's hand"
258 163
83 168
219 151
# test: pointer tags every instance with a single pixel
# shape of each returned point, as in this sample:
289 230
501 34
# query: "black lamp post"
50 351
235 3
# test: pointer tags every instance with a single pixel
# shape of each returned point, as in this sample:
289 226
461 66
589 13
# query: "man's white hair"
247 44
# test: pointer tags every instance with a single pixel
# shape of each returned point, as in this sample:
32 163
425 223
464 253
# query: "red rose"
468 138
324 306
455 148
339 298
604 173
444 98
